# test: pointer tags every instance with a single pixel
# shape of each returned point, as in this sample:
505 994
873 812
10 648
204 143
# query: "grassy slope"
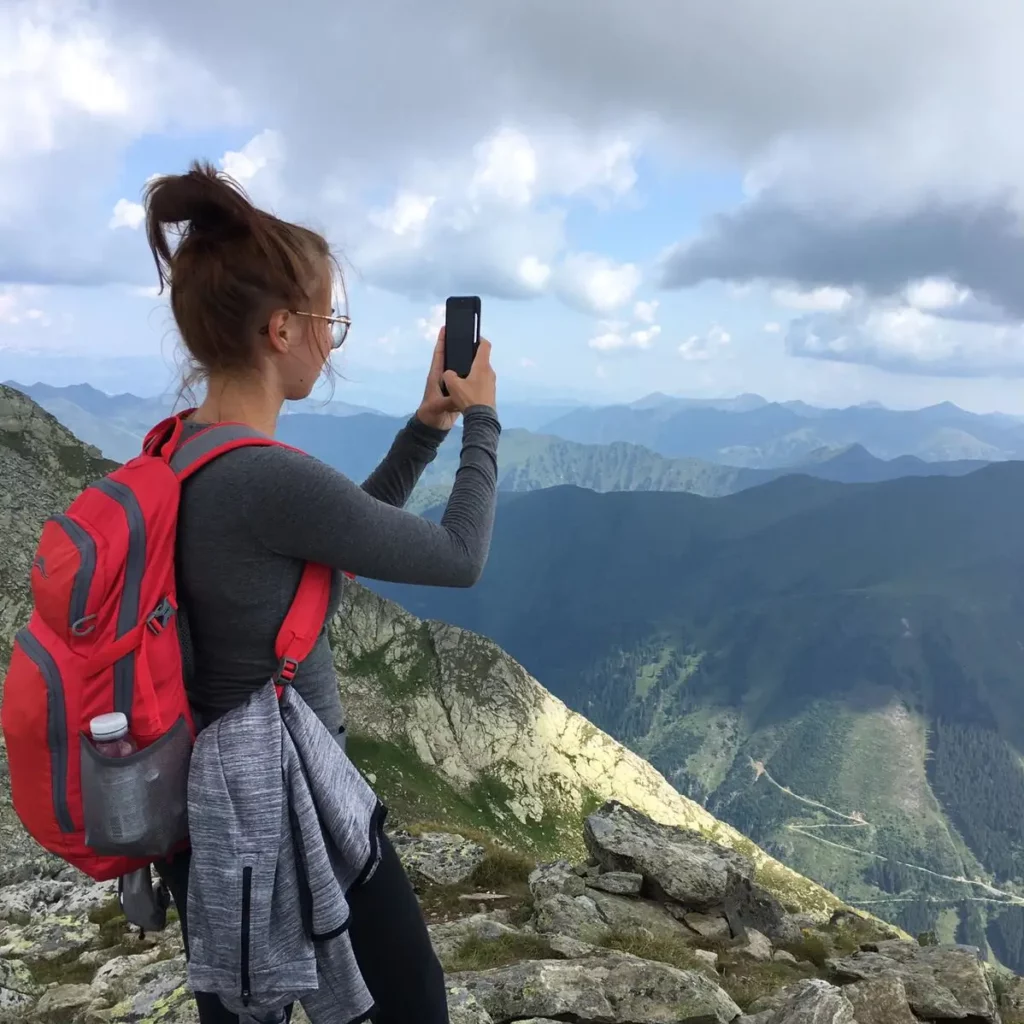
821 629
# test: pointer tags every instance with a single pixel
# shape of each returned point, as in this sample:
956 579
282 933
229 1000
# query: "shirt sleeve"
300 507
414 448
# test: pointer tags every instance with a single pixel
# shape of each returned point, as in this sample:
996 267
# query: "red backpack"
102 637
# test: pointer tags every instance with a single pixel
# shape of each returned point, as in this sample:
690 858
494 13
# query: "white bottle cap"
108 727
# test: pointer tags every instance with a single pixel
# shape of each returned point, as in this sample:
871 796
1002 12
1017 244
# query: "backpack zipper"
56 724
246 912
86 546
131 590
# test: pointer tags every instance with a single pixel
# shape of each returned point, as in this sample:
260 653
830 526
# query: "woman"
252 298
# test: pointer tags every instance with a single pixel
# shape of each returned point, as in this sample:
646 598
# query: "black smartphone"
461 334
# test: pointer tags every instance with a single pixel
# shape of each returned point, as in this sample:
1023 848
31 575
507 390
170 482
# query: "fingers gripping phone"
461 334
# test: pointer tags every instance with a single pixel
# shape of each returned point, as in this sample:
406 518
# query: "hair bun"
202 201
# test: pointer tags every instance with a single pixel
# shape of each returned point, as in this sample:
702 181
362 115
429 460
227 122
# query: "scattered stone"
708 957
484 897
815 1002
438 857
881 1000
577 917
783 956
941 981
448 936
463 1007
17 988
679 865
611 988
1011 1000
555 879
622 914
158 993
619 883
708 927
573 949
47 938
756 1018
756 947
61 1002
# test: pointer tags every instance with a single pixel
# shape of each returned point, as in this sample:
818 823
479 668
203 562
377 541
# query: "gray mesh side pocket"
137 806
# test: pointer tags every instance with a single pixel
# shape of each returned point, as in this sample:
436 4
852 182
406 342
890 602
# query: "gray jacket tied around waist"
282 826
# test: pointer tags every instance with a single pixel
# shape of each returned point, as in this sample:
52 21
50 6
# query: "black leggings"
389 939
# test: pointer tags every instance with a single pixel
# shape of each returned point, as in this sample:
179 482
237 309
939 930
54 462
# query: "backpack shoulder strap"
308 611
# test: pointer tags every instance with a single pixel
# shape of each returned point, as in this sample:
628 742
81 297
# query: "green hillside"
834 669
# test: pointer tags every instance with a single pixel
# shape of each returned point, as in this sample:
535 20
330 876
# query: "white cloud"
935 293
646 312
492 223
817 299
75 91
430 325
20 306
527 364
904 339
772 328
260 153
595 283
127 215
702 347
533 273
407 215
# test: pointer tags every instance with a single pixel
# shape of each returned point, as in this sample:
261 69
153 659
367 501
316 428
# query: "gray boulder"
881 1000
942 982
438 857
814 1002
619 883
677 864
612 988
555 879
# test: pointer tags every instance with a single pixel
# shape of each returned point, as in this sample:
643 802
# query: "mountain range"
833 669
748 431
353 440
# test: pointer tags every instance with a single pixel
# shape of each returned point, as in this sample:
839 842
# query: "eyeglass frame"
332 319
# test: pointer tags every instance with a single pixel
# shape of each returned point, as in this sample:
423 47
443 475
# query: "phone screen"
461 334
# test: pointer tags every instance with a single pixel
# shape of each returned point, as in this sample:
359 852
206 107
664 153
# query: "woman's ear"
278 327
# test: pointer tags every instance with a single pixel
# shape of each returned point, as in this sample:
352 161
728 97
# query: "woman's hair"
233 265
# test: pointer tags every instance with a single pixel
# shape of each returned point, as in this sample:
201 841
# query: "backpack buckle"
286 670
158 618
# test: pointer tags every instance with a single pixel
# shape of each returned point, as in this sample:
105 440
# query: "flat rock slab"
556 879
941 982
684 866
463 1007
438 857
881 1000
815 1002
447 937
611 988
619 883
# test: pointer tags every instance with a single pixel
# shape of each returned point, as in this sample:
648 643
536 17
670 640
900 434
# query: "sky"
806 199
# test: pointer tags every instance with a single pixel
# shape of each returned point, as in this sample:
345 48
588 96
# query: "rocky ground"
659 926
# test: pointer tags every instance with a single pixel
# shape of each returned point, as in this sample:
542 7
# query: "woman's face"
309 345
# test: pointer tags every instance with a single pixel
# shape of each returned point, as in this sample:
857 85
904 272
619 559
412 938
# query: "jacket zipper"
83 541
246 910
56 724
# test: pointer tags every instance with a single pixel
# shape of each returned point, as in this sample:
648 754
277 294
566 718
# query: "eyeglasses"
339 326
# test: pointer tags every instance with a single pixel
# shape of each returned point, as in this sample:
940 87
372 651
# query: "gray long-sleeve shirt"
251 518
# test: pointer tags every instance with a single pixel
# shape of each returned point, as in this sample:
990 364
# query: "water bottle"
110 735
123 808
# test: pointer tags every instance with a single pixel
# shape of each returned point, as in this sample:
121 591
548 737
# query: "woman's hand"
478 388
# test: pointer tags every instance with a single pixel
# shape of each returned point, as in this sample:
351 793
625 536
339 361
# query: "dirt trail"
857 820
